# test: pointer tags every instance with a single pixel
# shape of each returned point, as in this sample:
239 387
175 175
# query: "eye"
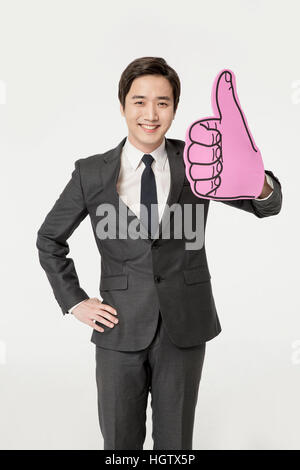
141 102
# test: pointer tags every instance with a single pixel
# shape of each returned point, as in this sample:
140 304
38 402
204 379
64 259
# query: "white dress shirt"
129 180
132 167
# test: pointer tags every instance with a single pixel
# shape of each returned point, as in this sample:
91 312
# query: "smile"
149 129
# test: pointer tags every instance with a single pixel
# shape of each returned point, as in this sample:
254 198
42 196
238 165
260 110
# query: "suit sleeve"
67 213
264 207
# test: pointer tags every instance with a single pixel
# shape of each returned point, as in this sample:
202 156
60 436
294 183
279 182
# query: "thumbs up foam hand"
221 159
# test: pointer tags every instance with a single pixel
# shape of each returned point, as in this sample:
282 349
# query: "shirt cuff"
270 182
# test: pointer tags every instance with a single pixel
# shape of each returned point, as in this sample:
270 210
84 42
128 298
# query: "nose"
151 113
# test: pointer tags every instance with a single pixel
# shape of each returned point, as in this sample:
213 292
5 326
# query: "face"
148 102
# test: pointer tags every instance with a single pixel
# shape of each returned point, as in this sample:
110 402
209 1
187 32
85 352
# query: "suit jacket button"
157 278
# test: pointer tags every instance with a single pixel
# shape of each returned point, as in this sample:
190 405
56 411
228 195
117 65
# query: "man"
157 309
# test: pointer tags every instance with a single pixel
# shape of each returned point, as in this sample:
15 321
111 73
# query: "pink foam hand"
221 159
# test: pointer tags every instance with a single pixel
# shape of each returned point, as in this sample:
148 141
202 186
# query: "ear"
122 110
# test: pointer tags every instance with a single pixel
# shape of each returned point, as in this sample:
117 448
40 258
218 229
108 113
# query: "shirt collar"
134 155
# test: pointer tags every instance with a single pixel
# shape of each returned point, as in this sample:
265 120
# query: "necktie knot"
147 159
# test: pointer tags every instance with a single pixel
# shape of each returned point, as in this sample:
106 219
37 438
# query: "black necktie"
148 217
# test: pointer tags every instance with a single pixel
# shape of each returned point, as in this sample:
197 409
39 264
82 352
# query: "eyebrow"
167 98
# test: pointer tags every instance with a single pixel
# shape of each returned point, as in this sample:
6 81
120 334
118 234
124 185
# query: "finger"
207 188
224 95
226 103
201 133
104 314
102 320
108 308
204 155
211 123
96 327
206 172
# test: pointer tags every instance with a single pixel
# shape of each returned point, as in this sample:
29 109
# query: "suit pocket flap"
200 274
117 281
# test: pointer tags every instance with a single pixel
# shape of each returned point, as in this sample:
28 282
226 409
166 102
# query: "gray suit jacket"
139 277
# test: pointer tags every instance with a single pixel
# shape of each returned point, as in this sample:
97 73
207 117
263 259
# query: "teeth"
148 127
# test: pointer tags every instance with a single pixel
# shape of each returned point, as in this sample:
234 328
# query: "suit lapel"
111 172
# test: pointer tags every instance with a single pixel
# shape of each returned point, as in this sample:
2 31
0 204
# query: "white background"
60 66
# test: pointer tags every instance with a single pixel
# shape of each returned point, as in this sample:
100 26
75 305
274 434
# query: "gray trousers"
124 379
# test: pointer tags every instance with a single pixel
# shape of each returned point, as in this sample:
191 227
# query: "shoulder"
93 163
90 161
177 143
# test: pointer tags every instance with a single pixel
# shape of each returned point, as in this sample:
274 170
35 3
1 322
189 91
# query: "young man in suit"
157 309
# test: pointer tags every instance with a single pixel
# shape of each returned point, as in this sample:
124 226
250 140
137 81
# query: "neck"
144 147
